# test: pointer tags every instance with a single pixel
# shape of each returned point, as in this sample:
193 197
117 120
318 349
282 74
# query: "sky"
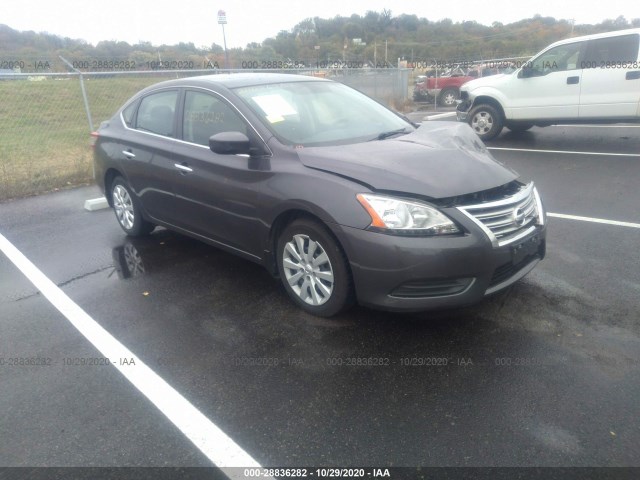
162 22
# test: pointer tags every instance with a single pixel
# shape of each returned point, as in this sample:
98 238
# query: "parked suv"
595 78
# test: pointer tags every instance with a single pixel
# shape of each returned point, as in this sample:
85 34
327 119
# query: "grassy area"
44 131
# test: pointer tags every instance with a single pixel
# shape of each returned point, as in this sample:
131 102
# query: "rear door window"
128 114
156 113
612 51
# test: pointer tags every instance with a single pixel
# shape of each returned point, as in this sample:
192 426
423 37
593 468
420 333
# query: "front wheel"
486 121
419 96
314 269
127 210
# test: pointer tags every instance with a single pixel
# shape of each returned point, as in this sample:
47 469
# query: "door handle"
183 168
128 154
635 75
572 80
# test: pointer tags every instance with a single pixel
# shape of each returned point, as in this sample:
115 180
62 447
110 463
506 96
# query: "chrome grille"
510 219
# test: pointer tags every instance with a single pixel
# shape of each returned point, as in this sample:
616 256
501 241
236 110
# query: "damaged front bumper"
462 109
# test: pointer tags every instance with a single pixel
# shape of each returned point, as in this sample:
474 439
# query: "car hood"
438 160
488 81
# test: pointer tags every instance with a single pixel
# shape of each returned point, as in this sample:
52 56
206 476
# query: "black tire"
419 96
519 127
486 121
448 97
127 209
325 289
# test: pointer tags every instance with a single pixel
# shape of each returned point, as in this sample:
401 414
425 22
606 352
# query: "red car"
446 88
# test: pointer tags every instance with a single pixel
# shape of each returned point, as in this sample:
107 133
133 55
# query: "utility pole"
385 52
222 20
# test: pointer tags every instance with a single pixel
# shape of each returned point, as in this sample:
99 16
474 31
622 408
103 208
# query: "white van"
595 78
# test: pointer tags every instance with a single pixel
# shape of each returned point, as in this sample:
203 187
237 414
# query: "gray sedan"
343 199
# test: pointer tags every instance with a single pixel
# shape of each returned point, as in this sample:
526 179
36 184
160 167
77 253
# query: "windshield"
321 113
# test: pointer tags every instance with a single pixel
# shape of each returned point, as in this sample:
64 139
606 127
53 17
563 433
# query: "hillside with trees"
368 39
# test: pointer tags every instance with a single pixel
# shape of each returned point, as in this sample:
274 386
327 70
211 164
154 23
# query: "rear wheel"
448 97
127 209
486 121
314 269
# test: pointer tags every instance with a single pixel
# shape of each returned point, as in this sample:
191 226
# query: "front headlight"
401 216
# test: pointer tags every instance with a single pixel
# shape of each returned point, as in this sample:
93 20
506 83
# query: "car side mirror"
229 143
528 72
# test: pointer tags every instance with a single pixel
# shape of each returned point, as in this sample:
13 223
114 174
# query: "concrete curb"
439 115
96 204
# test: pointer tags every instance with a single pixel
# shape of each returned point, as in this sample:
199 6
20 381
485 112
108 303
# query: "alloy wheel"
308 270
123 206
482 122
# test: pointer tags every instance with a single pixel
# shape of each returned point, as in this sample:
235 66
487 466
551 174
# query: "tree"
408 36
407 23
385 18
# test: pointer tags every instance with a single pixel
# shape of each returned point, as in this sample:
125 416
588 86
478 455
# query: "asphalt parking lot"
544 374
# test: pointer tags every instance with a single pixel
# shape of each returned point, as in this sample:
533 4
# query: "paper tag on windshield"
275 107
275 118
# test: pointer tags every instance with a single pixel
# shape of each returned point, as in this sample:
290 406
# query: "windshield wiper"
391 133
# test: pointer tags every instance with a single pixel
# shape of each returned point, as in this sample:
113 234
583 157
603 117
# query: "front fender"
488 95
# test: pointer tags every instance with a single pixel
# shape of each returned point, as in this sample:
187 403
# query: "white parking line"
594 220
204 434
439 115
597 126
565 151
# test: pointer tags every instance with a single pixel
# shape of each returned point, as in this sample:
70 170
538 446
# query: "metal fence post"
435 98
84 92
86 103
405 85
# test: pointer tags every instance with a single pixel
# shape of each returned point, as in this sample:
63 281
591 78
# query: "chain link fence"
44 127
439 82
45 122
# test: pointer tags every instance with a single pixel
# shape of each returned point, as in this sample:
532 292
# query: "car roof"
628 31
234 80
